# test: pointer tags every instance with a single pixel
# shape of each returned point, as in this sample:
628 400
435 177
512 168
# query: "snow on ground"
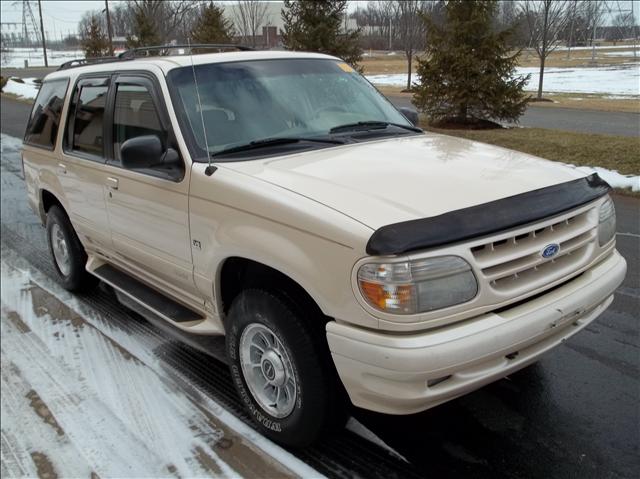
599 47
15 57
616 79
27 88
91 398
626 53
9 144
615 179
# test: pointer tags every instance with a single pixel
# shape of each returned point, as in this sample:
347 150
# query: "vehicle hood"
388 181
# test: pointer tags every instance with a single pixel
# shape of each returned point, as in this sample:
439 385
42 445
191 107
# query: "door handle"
62 168
112 183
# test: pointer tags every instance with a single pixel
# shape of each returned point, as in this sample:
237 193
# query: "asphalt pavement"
568 119
13 116
575 413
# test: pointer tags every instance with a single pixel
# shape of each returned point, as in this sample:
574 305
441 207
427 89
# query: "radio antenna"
210 168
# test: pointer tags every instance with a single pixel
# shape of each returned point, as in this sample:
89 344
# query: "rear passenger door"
148 208
81 170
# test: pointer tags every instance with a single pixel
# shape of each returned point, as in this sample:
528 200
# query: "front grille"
515 263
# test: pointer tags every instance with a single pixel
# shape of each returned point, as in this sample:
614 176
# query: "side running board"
134 293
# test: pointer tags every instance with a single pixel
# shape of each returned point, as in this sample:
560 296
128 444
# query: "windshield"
244 102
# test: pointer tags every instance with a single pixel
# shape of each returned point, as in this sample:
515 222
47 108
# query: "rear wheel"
280 371
69 257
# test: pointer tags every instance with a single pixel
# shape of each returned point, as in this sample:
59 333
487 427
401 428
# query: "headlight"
607 225
417 286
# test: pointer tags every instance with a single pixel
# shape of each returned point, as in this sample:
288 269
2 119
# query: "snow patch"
616 80
140 394
615 179
120 416
10 144
627 53
27 88
15 57
599 47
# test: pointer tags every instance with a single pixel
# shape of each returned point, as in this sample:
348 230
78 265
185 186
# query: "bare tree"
545 19
411 29
623 23
248 17
378 22
164 17
121 19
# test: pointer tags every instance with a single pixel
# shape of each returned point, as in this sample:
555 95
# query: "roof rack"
79 62
165 49
158 50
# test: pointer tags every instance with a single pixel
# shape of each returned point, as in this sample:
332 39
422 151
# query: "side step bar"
146 297
213 346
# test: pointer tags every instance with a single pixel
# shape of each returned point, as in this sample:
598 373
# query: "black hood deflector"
486 218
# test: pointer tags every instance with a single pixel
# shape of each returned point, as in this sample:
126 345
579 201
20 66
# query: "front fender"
232 215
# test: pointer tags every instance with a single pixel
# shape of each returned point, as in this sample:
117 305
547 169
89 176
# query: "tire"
67 253
319 402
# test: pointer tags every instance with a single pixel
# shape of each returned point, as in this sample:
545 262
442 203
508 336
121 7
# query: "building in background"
267 17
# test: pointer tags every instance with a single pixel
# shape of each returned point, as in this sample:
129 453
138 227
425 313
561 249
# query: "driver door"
148 210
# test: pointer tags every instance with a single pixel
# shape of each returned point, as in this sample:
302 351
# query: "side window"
88 120
44 121
134 115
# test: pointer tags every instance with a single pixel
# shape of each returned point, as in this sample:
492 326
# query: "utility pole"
106 8
44 41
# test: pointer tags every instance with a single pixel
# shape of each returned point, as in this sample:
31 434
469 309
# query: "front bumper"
404 374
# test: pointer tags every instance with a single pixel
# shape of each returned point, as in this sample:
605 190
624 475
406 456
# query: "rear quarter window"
42 129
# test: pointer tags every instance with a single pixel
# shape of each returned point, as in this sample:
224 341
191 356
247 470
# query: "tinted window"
134 115
46 113
88 120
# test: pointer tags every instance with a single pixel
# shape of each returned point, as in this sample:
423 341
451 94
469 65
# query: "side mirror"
411 115
141 152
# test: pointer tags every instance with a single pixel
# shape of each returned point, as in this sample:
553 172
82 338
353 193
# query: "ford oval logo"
550 250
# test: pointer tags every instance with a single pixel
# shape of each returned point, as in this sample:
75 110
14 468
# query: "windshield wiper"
371 125
266 142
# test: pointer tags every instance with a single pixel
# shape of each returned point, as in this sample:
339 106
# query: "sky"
62 16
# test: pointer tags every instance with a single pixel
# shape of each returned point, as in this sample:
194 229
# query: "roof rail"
79 62
165 49
160 50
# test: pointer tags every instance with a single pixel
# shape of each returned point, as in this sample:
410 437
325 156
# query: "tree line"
160 22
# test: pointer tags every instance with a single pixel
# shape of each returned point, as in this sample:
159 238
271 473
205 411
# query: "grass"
581 149
15 97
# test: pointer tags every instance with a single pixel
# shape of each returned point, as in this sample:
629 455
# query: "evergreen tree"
93 40
317 26
144 31
211 26
468 73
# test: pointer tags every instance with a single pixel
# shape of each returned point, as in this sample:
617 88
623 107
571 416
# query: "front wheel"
280 370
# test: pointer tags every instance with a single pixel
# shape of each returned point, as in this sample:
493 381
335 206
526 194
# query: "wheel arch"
237 273
47 200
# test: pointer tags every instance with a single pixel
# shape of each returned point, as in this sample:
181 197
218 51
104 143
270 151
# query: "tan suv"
278 199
